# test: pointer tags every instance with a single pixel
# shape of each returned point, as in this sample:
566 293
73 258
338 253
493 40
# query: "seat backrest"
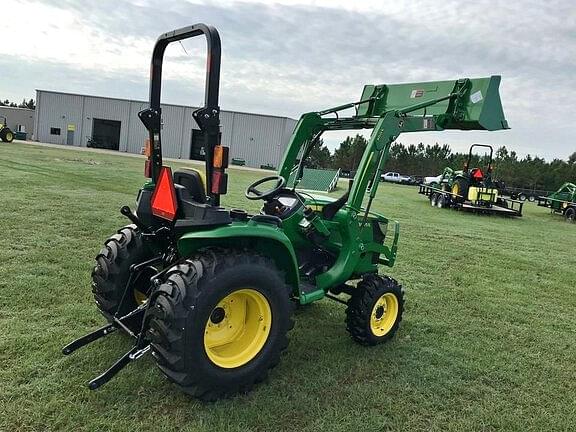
193 181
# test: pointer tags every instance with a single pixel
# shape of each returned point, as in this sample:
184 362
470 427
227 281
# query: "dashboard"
283 205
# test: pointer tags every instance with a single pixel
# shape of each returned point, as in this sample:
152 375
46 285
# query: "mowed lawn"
488 340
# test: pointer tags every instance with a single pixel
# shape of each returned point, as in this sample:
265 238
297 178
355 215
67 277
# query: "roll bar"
467 166
207 117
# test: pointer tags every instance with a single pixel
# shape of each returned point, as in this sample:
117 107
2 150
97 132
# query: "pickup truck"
397 178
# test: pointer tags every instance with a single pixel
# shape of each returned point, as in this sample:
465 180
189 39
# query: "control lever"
126 211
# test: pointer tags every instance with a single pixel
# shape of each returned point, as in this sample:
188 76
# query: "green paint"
358 238
564 196
264 238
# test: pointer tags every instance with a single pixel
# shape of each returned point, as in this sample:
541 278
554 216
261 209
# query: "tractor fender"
264 238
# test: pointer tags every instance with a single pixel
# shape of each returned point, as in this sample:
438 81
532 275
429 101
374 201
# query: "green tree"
319 156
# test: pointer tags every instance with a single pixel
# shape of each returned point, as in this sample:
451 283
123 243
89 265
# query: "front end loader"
210 291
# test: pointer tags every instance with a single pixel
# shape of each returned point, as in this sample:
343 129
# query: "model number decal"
476 97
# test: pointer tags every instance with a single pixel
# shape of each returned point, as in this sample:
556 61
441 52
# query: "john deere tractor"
470 184
472 189
210 291
475 184
6 133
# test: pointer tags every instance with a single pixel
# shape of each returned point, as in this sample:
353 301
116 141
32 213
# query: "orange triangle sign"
164 203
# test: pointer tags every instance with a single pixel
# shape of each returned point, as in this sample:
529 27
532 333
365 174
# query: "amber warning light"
164 203
219 176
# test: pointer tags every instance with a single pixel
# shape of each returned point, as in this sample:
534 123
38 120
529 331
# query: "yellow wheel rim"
237 328
9 136
456 189
140 297
384 314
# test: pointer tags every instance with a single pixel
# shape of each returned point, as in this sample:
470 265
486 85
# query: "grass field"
487 341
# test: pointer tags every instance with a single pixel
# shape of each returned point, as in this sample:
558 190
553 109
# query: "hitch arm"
134 354
90 337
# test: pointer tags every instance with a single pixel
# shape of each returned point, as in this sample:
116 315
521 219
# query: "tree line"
30 104
530 172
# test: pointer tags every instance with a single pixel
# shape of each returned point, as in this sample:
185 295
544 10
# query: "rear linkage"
207 119
142 345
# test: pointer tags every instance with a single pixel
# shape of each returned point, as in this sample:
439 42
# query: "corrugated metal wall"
258 139
19 117
57 110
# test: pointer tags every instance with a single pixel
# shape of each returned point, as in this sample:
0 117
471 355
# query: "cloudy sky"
286 57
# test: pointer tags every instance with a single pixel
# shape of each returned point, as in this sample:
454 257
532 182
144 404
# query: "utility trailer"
471 189
523 194
483 203
563 201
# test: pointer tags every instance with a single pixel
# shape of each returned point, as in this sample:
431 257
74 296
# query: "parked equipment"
471 189
563 201
209 291
395 177
6 133
523 194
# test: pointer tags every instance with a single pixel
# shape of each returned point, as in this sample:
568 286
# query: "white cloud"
286 57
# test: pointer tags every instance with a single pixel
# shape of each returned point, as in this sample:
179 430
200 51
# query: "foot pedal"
307 288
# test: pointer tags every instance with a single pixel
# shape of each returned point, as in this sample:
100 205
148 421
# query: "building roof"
15 108
167 104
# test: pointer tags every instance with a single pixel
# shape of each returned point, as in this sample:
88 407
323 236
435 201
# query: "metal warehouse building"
18 119
81 120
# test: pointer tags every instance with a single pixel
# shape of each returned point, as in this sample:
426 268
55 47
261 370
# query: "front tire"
220 321
375 310
570 214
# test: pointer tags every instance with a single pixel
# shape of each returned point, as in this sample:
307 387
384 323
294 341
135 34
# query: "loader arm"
389 110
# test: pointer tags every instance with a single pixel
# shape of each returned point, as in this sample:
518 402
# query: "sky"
285 58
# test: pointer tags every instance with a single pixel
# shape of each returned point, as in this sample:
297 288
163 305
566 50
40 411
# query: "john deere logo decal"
416 94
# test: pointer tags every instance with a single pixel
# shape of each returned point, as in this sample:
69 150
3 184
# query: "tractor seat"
193 181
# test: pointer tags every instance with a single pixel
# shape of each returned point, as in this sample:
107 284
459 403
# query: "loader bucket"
477 108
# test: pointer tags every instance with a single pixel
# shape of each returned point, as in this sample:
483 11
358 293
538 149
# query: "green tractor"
475 184
472 189
210 291
563 201
6 133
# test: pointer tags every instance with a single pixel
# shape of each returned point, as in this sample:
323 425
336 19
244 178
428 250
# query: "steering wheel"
254 194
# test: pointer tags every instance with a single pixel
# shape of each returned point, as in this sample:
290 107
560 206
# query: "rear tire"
441 203
460 188
193 311
112 270
375 310
570 214
6 135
